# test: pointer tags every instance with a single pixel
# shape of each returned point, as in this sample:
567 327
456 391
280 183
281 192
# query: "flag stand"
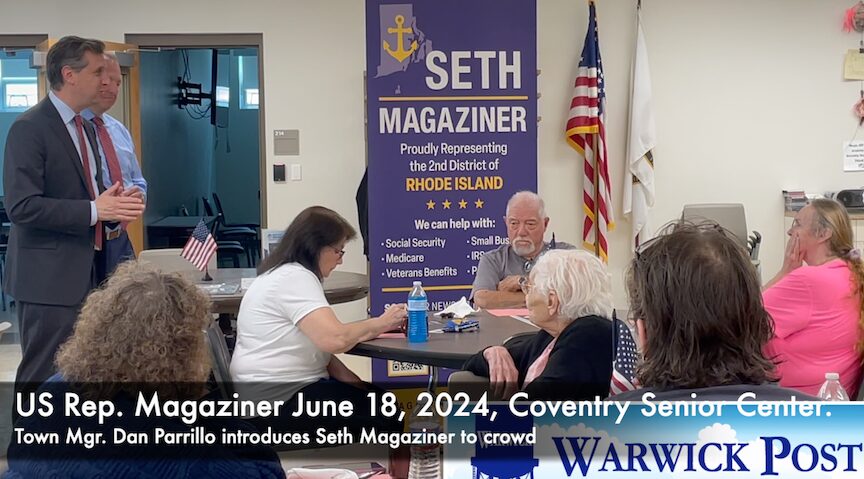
207 276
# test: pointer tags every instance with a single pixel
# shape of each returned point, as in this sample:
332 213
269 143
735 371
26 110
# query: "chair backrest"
208 210
220 358
218 204
728 215
754 242
169 260
469 383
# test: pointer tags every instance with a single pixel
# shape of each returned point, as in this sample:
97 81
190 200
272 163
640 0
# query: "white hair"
580 280
527 196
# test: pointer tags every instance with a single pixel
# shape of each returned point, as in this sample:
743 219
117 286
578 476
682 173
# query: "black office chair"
245 234
219 210
753 244
220 219
227 249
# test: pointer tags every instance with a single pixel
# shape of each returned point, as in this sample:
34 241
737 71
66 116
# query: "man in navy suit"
57 203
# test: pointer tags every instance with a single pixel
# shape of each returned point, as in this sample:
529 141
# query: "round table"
339 287
449 350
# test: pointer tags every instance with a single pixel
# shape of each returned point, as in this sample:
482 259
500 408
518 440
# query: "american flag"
586 133
624 364
200 246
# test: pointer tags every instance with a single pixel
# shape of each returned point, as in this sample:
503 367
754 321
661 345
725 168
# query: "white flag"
639 184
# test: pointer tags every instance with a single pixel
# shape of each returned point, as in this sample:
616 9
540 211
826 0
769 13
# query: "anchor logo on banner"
400 54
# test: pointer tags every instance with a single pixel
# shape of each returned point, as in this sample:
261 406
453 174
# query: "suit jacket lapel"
59 129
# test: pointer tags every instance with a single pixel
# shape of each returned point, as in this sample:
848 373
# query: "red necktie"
85 159
114 170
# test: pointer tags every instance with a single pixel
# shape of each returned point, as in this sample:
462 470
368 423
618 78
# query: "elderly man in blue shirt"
119 163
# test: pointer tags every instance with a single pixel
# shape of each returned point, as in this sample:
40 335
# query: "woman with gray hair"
569 297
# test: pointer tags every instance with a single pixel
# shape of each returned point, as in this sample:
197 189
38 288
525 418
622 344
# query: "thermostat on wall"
279 173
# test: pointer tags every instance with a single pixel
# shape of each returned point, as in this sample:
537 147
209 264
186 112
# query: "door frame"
157 41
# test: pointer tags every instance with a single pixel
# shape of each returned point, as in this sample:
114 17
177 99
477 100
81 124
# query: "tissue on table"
459 309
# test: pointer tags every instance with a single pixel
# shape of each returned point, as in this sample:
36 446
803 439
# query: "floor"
10 356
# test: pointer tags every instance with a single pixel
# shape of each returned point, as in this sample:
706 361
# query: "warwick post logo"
400 54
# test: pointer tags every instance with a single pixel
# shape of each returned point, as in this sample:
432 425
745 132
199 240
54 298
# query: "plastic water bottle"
425 458
418 325
831 389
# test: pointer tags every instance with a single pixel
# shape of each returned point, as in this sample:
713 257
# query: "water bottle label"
418 330
417 304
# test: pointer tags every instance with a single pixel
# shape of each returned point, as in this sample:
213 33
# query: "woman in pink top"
817 308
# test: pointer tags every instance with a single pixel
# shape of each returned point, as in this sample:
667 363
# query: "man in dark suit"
57 204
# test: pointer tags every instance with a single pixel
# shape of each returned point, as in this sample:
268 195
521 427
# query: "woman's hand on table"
394 317
503 375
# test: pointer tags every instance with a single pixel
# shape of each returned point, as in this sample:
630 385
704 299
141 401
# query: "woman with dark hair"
698 309
287 334
817 307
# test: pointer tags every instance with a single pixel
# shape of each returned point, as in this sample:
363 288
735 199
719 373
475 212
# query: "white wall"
748 94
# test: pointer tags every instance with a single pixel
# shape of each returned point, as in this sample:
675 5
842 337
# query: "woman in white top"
287 334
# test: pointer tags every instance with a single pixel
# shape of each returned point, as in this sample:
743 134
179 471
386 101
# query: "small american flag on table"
624 363
200 246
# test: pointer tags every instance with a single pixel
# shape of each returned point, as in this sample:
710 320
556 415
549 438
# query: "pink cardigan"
816 314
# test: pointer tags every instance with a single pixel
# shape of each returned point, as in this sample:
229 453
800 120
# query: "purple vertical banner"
452 128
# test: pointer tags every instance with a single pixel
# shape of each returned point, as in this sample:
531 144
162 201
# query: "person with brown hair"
287 333
818 308
143 327
58 206
698 309
139 335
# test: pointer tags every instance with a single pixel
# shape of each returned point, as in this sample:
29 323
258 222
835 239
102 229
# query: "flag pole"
207 276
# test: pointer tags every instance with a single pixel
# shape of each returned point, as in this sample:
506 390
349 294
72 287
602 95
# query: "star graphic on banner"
430 205
446 204
463 204
478 203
